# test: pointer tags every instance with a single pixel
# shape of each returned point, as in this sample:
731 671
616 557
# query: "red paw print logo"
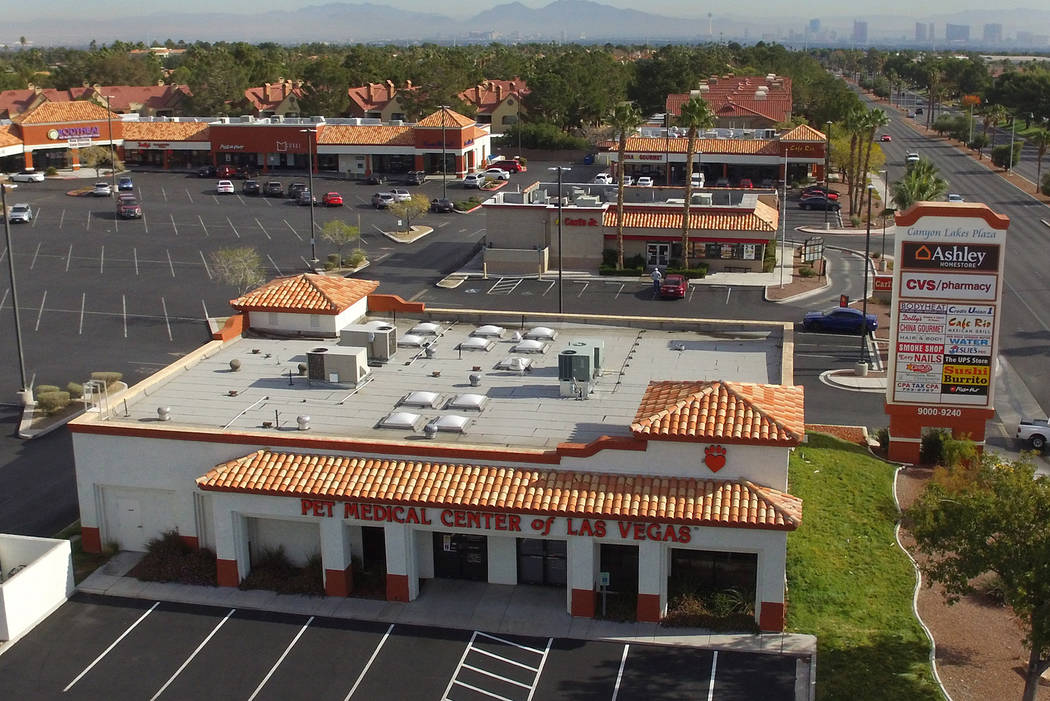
715 457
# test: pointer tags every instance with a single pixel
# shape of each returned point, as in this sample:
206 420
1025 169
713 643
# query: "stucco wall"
326 325
42 585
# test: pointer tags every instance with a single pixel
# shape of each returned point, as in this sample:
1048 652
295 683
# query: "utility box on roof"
379 340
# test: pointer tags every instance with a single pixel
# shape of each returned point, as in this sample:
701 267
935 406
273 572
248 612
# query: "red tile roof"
732 412
272 95
734 96
310 293
750 147
804 133
451 119
703 502
165 131
63 112
123 98
490 94
7 136
762 218
373 97
370 135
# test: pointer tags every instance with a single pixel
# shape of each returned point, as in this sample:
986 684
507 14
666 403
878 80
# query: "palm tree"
874 120
921 183
853 124
694 116
994 115
1040 138
625 118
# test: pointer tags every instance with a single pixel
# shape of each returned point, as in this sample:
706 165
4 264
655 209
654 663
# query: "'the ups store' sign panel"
947 291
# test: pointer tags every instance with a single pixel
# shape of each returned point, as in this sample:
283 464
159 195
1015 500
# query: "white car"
102 190
644 181
28 176
627 180
21 212
603 179
912 157
497 174
224 187
475 180
401 195
698 180
952 197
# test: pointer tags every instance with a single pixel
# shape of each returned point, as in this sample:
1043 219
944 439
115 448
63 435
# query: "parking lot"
104 647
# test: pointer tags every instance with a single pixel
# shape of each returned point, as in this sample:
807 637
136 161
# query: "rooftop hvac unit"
319 119
343 364
575 372
380 341
702 198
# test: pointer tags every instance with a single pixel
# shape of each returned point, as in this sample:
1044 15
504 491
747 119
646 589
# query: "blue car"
125 183
844 319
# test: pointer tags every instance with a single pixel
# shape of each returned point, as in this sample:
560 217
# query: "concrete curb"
418 232
26 431
831 379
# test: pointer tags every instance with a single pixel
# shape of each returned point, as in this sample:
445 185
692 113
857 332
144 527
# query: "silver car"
102 190
28 176
21 212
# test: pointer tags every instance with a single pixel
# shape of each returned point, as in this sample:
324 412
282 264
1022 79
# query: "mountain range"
561 20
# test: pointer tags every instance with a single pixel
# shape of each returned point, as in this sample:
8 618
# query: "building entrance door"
657 254
460 556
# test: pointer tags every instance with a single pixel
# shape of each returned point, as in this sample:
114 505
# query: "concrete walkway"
447 603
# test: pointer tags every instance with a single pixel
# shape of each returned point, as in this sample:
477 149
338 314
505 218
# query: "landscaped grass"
848 582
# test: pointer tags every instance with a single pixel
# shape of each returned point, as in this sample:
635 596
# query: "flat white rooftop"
521 409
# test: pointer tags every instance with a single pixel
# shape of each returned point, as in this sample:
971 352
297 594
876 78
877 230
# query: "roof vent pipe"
430 431
304 422
164 413
475 379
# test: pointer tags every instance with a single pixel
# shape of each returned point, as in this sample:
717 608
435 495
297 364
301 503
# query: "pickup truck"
1035 431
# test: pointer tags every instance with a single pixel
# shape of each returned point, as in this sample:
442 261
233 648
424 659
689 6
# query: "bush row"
53 399
170 559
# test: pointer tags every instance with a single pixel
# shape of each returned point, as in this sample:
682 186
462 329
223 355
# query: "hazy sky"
68 10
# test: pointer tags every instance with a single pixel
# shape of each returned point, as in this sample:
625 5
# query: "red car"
674 287
332 199
511 166
885 137
226 172
818 192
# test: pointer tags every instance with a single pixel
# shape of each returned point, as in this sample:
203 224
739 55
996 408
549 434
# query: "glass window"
712 250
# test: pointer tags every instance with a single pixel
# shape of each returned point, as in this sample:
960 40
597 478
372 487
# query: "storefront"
52 133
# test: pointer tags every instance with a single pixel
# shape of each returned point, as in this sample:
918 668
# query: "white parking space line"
111 646
692 291
205 307
135 257
233 227
145 224
7 291
264 228
539 670
711 685
274 264
201 219
189 197
550 287
268 202
205 261
80 327
36 218
101 259
505 286
167 321
116 225
475 233
40 314
124 306
729 291
375 653
164 193
3 254
281 658
241 200
619 673
69 257
584 288
88 227
61 219
174 228
471 647
216 198
170 266
35 254
293 229
194 654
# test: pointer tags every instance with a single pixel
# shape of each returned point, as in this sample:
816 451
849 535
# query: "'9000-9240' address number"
935 411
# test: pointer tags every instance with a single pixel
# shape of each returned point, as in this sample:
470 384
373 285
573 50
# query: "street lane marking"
509 642
3 299
619 673
36 253
293 229
481 691
584 288
61 219
35 218
167 321
264 228
190 658
203 226
135 256
170 266
711 686
281 658
80 328
145 224
101 259
274 264
368 664
164 193
233 227
729 291
88 227
111 646
205 261
462 659
189 197
124 305
69 257
550 287
174 228
40 314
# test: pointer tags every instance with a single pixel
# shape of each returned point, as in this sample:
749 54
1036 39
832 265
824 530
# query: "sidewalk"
446 603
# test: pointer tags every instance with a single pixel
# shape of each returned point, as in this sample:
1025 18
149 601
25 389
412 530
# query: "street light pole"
783 222
444 157
313 195
14 293
560 267
886 197
112 152
827 169
864 290
1013 126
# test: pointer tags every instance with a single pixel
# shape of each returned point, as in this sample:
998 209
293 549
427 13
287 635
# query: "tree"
853 125
216 80
1040 138
694 116
921 183
993 115
994 521
340 234
873 121
1006 156
98 157
241 268
412 207
625 118
979 144
325 89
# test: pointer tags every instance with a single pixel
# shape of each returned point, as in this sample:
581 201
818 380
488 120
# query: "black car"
440 205
305 198
819 202
251 187
376 179
294 189
414 177
206 172
273 188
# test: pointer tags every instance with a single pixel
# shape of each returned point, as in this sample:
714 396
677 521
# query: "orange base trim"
648 608
226 573
190 540
338 582
233 328
904 451
394 303
90 539
397 587
582 605
771 617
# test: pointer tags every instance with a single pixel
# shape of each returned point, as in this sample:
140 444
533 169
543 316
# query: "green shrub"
806 272
619 272
108 377
47 389
690 273
720 611
53 402
931 450
170 559
855 221
882 435
51 170
541 135
75 391
356 258
1045 186
1001 154
609 256
331 261
274 571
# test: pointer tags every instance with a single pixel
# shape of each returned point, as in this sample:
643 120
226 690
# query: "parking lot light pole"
827 169
444 158
310 176
864 290
559 169
14 293
112 150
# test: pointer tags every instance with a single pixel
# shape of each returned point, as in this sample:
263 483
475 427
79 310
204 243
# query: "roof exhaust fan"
164 413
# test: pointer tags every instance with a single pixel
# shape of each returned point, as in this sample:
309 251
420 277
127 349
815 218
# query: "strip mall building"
570 453
51 134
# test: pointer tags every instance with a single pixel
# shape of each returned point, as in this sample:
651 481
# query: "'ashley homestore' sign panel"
946 306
